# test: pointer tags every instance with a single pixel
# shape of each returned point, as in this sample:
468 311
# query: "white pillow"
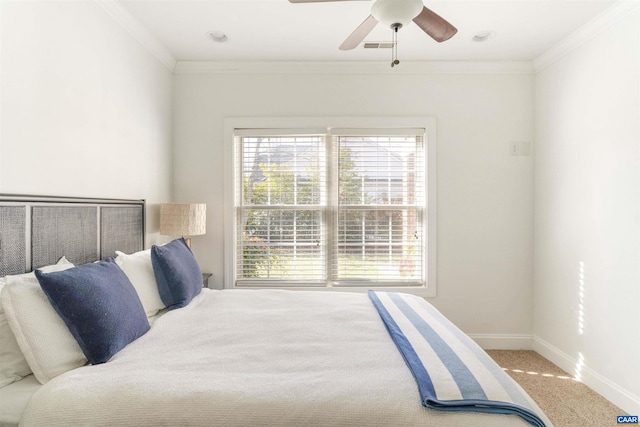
44 339
13 365
138 268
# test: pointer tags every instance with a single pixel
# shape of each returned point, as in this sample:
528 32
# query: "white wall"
587 212
484 194
85 109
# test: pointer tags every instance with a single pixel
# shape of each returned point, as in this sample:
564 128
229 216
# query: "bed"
194 356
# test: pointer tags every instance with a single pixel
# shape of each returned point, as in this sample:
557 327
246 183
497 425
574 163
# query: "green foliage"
349 181
257 259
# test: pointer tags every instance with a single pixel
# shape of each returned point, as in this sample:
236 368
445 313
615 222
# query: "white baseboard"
503 341
619 396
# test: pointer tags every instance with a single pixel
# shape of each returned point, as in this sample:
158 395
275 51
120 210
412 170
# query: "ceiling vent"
378 45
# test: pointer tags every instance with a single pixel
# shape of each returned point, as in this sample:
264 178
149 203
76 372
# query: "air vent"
378 45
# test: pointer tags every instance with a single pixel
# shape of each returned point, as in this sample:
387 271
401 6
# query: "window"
332 207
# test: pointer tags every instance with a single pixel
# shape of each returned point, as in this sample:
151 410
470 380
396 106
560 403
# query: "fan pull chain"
394 42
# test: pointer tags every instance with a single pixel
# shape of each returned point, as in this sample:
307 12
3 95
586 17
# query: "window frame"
234 125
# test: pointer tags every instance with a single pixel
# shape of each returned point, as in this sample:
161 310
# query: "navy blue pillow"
99 305
177 272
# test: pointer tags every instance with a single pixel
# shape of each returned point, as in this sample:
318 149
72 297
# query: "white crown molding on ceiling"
353 67
140 33
582 35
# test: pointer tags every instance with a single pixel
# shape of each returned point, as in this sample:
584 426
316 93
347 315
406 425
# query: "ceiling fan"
396 14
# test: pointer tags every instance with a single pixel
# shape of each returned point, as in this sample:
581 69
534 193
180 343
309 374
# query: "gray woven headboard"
37 231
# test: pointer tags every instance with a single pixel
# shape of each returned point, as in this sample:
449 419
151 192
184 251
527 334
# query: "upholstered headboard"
38 230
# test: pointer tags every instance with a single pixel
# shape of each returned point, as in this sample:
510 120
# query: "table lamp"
183 219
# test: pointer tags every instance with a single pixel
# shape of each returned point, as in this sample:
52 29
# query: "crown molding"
353 67
133 27
582 35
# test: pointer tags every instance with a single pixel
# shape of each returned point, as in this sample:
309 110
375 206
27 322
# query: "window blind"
333 208
281 208
379 224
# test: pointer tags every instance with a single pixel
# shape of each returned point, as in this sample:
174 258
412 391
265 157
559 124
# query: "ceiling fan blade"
435 25
359 33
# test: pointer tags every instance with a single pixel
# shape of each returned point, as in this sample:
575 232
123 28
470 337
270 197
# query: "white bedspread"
252 358
14 398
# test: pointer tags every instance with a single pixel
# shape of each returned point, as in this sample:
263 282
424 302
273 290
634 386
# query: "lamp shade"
183 219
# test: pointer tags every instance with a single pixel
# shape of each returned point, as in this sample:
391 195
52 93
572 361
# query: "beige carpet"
567 402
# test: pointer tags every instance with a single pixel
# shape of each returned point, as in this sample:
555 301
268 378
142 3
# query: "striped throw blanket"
453 373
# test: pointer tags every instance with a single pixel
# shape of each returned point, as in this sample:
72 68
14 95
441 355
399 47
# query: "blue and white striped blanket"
453 373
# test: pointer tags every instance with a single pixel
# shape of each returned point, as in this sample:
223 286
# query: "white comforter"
252 358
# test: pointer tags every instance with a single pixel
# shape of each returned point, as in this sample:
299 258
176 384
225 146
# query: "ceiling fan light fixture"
389 12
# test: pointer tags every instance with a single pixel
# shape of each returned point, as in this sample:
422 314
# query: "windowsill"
420 291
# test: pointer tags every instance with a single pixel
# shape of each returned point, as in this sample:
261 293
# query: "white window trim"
428 123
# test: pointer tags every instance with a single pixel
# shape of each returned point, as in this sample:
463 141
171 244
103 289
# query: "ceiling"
277 30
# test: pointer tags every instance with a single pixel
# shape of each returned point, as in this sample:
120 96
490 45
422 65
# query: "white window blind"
380 204
342 207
